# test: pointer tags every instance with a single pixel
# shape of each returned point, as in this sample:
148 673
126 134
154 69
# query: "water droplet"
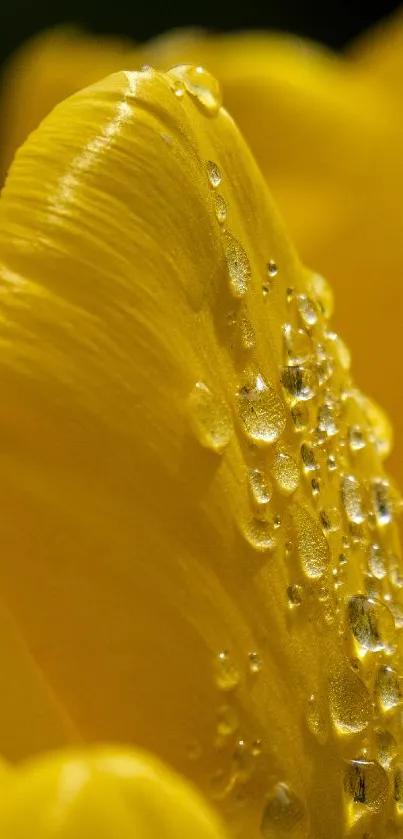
295 595
324 370
377 561
254 662
340 350
297 345
381 501
272 268
322 292
210 418
248 337
366 784
300 416
350 702
331 463
276 521
315 486
227 674
370 622
285 472
316 721
331 519
260 487
213 174
308 309
260 410
312 545
386 747
201 85
308 457
300 383
260 535
256 747
220 208
395 574
327 419
397 612
239 270
352 499
178 88
387 688
283 815
356 438
227 721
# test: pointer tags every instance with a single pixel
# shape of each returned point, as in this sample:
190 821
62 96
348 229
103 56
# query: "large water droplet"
312 545
386 746
286 472
297 345
227 674
350 702
370 622
201 85
260 487
300 383
387 688
352 499
213 174
283 814
239 270
381 501
260 534
210 418
366 783
260 410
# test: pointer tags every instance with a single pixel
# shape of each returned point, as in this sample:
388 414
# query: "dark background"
329 21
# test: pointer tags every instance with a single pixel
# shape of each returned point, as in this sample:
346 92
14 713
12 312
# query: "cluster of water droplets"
317 495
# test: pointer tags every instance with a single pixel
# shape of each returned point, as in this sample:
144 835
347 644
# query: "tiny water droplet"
308 309
386 746
366 783
259 533
387 688
256 748
260 487
277 521
352 499
331 519
255 663
283 815
322 292
227 721
327 419
201 85
239 270
356 438
370 622
260 410
331 463
227 674
300 416
272 268
285 472
350 702
310 464
210 418
300 383
377 561
213 174
290 293
220 208
297 345
381 501
312 545
295 595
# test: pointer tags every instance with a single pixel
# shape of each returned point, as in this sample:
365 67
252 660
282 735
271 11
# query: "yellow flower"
199 548
326 132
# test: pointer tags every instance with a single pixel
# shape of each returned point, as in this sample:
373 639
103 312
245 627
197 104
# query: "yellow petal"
103 793
192 495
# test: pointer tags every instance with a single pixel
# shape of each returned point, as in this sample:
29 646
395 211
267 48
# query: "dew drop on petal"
209 417
220 208
213 174
350 702
201 85
356 438
387 688
381 500
260 487
285 471
376 561
297 345
386 747
283 814
370 622
322 293
300 383
239 270
312 545
331 519
309 462
308 309
295 595
260 535
272 268
300 416
260 410
366 784
352 499
227 674
255 663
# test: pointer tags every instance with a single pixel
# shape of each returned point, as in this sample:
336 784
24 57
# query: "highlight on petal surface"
201 540
106 792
